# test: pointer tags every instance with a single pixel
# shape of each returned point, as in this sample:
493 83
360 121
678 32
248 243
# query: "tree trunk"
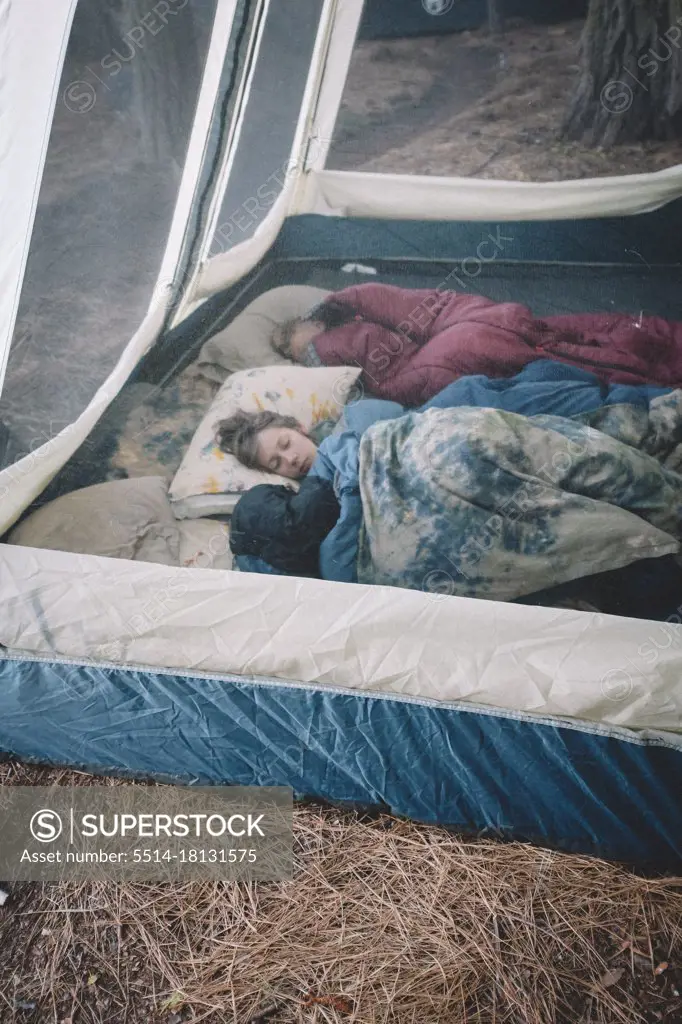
630 87
495 17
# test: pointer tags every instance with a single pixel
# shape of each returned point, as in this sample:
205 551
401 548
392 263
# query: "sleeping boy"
412 343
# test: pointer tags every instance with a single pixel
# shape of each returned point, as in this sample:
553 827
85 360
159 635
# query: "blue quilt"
543 387
490 504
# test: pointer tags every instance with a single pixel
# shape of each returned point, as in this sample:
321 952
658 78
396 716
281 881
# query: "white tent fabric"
33 38
340 41
22 482
338 25
387 196
231 266
226 11
598 668
213 69
358 194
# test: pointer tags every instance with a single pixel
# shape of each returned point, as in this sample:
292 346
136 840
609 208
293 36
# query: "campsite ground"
468 105
385 921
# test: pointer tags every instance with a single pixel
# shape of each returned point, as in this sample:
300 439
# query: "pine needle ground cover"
385 921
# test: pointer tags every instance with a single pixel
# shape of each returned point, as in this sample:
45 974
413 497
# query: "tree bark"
630 87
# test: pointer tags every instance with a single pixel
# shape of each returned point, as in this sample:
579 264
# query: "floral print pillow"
209 481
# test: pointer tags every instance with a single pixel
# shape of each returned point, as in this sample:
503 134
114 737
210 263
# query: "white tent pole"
303 136
215 59
224 269
342 39
231 145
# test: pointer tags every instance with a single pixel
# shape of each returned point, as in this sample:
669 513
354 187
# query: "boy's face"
303 334
288 452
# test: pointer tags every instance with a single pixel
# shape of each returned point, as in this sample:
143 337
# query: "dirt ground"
86 289
467 105
385 921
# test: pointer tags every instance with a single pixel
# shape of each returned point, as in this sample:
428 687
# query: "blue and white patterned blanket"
490 504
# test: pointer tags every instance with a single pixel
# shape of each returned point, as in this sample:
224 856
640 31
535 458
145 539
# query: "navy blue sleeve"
339 549
250 563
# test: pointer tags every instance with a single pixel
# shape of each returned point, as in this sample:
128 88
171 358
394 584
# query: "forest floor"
468 105
384 920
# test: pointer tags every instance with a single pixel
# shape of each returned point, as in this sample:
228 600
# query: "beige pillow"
245 344
209 481
119 519
205 544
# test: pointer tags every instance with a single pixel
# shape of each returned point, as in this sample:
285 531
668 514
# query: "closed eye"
274 464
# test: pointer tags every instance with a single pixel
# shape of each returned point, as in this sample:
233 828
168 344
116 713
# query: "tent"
546 724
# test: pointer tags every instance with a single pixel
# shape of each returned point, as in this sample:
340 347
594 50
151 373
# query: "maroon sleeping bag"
411 343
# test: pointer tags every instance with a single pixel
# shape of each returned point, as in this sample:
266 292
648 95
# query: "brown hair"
238 434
